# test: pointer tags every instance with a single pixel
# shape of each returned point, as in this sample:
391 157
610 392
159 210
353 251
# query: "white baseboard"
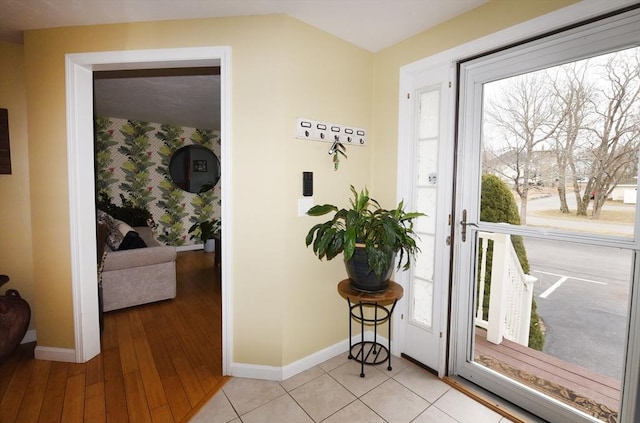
67 355
30 336
254 371
316 358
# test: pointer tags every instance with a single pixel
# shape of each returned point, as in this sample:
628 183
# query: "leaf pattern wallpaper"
132 159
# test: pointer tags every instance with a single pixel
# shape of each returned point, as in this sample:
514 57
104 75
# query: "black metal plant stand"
362 305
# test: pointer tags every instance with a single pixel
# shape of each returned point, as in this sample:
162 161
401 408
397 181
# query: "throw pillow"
131 241
115 237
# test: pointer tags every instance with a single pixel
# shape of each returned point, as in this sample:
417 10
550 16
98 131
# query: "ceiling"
181 97
370 24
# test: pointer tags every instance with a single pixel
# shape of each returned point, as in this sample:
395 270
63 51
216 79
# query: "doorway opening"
143 119
80 69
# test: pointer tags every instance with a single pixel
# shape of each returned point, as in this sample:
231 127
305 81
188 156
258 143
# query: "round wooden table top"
392 294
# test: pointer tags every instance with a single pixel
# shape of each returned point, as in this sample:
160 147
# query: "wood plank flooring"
160 362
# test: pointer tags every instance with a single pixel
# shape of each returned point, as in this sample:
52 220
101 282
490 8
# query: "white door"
547 131
425 186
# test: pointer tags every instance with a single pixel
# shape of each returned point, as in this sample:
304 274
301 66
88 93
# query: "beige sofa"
138 276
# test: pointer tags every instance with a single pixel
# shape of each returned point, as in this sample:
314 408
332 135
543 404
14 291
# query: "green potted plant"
369 237
205 231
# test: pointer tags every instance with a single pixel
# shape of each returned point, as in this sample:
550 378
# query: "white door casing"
79 88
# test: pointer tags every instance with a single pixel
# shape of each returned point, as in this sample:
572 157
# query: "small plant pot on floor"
210 245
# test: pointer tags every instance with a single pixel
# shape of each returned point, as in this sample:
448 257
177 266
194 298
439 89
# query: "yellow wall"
16 258
285 301
481 21
327 80
280 69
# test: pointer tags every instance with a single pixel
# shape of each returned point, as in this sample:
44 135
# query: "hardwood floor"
159 363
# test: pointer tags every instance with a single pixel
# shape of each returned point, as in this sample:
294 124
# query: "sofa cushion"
139 285
146 233
140 257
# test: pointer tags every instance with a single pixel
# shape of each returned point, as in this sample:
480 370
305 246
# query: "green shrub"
498 205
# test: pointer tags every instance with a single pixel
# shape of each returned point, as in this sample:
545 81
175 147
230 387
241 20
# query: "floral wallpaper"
132 159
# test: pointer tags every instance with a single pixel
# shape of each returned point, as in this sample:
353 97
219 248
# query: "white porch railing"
511 293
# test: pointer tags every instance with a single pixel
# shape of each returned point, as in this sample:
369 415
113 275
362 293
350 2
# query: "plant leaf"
349 241
309 238
320 210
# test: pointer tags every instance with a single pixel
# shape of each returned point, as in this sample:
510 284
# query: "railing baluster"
483 269
514 291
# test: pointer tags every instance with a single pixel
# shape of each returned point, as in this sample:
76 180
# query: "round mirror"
194 168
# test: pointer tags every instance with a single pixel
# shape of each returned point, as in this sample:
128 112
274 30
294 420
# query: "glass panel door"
425 187
547 178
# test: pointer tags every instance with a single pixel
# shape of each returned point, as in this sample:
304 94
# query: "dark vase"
362 278
15 314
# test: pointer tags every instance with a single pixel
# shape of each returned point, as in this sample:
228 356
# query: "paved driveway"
582 291
582 297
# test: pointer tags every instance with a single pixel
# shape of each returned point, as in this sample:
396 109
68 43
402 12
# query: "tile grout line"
358 398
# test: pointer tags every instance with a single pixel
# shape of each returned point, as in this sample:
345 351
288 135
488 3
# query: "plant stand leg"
375 329
389 325
362 340
350 323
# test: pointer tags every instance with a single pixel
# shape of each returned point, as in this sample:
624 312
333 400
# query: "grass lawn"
606 216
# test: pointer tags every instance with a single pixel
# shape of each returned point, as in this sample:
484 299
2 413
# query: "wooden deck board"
584 382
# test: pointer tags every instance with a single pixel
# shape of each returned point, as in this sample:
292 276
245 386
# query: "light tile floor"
334 392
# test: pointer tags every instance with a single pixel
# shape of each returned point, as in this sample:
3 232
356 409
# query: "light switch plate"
304 204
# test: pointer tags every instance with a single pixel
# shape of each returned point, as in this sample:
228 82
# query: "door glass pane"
553 316
427 160
565 141
429 114
423 295
426 190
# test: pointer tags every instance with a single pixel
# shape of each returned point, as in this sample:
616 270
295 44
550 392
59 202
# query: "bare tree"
616 135
574 94
522 116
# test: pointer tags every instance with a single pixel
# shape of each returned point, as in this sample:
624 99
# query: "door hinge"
402 317
449 84
408 96
449 240
440 334
449 220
